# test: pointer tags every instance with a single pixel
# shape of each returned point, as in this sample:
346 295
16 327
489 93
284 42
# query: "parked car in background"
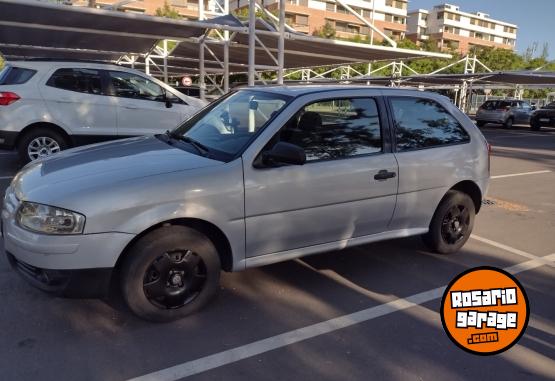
259 176
544 116
506 112
47 106
192 91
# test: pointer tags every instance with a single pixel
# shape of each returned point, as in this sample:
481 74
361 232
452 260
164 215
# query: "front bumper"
87 283
71 265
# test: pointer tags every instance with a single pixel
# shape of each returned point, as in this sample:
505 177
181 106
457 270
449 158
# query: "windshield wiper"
201 148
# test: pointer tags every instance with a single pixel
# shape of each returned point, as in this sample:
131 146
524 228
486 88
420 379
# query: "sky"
534 18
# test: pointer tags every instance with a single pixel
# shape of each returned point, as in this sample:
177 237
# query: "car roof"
297 90
37 64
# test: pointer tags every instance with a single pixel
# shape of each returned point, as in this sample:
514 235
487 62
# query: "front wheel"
170 273
451 224
508 123
535 126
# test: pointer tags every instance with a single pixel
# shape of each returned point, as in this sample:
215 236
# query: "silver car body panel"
268 215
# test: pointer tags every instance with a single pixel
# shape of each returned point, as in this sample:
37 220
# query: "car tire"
480 123
508 124
49 139
170 273
535 126
451 224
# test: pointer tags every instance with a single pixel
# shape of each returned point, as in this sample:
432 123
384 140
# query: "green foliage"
167 11
326 31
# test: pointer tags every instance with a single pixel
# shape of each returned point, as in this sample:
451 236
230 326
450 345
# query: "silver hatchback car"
262 175
506 112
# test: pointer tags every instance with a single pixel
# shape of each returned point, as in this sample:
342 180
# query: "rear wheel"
508 123
535 126
39 143
451 224
170 273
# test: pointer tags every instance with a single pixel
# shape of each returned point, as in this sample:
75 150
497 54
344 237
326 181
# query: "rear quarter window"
13 75
424 123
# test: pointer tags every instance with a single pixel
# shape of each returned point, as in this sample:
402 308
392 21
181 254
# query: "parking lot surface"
370 312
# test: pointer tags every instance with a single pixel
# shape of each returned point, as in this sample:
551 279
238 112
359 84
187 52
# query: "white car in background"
47 106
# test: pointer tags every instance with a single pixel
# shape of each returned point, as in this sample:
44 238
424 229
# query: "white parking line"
520 174
511 249
279 341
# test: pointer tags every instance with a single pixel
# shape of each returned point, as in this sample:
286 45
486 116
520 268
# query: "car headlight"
49 219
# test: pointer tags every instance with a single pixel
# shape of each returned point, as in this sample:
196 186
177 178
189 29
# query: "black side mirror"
533 107
282 154
169 103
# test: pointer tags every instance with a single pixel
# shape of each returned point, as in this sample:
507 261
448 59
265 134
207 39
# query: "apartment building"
310 16
449 27
188 9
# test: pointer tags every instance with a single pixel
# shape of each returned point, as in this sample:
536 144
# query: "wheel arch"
214 234
472 189
50 125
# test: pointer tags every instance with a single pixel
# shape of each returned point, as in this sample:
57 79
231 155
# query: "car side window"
424 123
335 129
16 75
128 85
80 80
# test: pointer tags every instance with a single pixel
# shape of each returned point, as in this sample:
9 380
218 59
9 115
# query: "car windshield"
227 126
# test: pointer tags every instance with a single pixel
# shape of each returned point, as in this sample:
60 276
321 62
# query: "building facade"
310 16
188 9
449 27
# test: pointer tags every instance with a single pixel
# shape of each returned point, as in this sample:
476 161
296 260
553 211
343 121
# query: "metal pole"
281 41
202 73
165 61
252 41
226 51
147 65
372 20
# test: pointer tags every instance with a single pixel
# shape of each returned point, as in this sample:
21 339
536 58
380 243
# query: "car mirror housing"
282 153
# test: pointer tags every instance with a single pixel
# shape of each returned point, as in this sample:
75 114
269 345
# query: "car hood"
100 165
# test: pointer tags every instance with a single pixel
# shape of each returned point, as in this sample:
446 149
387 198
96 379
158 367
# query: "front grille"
45 278
488 202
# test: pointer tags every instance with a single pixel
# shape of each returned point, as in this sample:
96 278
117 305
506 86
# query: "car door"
523 112
76 99
338 194
141 105
433 155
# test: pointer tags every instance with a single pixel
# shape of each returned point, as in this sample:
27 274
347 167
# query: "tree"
167 11
326 31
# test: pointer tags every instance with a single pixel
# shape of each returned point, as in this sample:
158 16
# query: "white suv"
47 106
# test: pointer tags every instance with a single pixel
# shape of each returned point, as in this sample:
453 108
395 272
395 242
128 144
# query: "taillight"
7 98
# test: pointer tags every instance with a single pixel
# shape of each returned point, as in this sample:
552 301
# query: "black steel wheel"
455 224
170 273
451 224
174 279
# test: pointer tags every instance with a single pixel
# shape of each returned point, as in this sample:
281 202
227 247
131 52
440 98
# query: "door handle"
130 107
63 100
384 174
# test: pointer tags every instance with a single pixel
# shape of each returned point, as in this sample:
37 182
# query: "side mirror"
282 154
533 108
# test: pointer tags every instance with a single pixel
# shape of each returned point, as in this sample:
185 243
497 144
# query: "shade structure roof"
30 29
515 78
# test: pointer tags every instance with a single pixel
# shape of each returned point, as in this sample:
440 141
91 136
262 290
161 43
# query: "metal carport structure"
220 45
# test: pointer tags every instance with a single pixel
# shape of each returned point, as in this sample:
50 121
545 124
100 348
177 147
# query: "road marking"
520 174
512 249
6 177
230 356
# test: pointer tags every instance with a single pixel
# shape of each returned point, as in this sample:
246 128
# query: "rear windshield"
12 75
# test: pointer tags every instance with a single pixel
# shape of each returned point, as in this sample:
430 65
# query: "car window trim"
394 125
381 117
